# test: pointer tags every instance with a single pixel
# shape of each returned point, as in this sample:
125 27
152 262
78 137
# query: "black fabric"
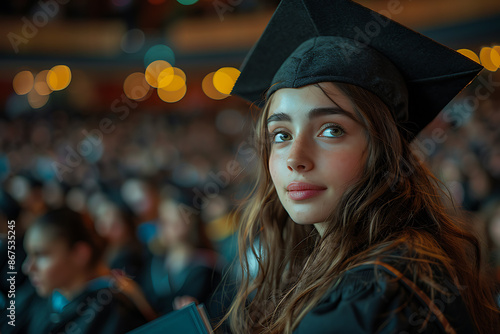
376 73
433 73
198 279
27 306
100 311
369 300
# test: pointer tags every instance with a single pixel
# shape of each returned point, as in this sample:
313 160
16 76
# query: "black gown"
199 279
364 302
100 308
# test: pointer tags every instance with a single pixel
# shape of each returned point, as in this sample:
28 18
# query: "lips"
299 191
34 282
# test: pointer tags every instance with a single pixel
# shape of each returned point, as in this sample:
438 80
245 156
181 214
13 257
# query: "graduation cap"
311 41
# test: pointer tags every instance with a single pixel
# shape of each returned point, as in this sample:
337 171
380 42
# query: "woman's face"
50 263
174 228
318 148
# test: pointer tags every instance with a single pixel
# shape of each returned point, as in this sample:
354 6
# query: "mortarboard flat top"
310 41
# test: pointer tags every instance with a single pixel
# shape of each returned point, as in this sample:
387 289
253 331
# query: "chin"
42 292
304 219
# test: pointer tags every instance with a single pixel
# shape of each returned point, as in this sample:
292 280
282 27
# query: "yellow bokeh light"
59 77
497 49
136 87
486 59
23 82
470 54
36 100
208 88
171 79
175 84
225 78
41 86
172 96
495 56
154 70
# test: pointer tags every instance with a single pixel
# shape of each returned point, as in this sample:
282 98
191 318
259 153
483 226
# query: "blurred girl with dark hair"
117 226
64 264
185 269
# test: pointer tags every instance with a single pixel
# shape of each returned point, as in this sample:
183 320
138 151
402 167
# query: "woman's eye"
333 132
280 137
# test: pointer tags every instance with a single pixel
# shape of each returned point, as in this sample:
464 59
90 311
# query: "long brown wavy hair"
397 204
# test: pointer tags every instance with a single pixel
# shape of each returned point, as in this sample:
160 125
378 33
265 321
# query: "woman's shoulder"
102 307
374 297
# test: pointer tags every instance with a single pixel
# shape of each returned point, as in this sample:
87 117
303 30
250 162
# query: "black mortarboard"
310 41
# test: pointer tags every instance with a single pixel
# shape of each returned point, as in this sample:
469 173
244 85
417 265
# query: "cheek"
274 161
55 270
343 168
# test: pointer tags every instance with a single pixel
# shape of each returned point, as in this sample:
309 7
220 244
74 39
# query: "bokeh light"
59 77
495 56
41 86
133 40
470 54
497 49
159 71
159 52
489 58
23 82
225 78
172 96
136 87
187 2
37 100
209 89
172 80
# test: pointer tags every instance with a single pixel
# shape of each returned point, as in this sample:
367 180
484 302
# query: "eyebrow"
313 113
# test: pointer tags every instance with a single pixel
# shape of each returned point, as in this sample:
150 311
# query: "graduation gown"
199 278
100 308
365 303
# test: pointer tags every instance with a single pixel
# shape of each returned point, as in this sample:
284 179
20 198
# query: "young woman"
64 265
350 230
186 268
117 226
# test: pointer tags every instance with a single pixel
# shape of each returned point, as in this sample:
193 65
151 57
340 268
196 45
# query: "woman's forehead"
306 98
38 237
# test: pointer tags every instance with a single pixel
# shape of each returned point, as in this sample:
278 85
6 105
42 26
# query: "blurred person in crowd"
116 224
491 218
141 196
28 191
64 264
15 287
186 269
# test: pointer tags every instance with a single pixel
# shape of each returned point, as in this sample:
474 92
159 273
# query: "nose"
299 158
27 266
